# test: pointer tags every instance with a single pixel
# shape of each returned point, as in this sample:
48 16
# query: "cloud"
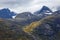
14 3
28 5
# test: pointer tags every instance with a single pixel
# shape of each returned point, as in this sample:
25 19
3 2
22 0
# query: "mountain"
26 18
25 15
47 28
6 13
43 10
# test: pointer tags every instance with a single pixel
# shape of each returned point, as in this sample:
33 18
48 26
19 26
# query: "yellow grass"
30 28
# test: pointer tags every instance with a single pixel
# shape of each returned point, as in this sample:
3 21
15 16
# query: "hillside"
47 28
9 30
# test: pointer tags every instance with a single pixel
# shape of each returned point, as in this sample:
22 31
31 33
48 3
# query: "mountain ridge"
6 13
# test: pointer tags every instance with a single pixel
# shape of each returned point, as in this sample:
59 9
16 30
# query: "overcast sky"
28 5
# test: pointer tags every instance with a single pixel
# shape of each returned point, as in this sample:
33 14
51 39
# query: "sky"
19 6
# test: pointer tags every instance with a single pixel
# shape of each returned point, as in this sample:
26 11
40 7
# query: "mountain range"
44 11
27 17
43 24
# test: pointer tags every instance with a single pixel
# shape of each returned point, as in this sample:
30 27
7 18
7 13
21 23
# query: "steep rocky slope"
47 28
